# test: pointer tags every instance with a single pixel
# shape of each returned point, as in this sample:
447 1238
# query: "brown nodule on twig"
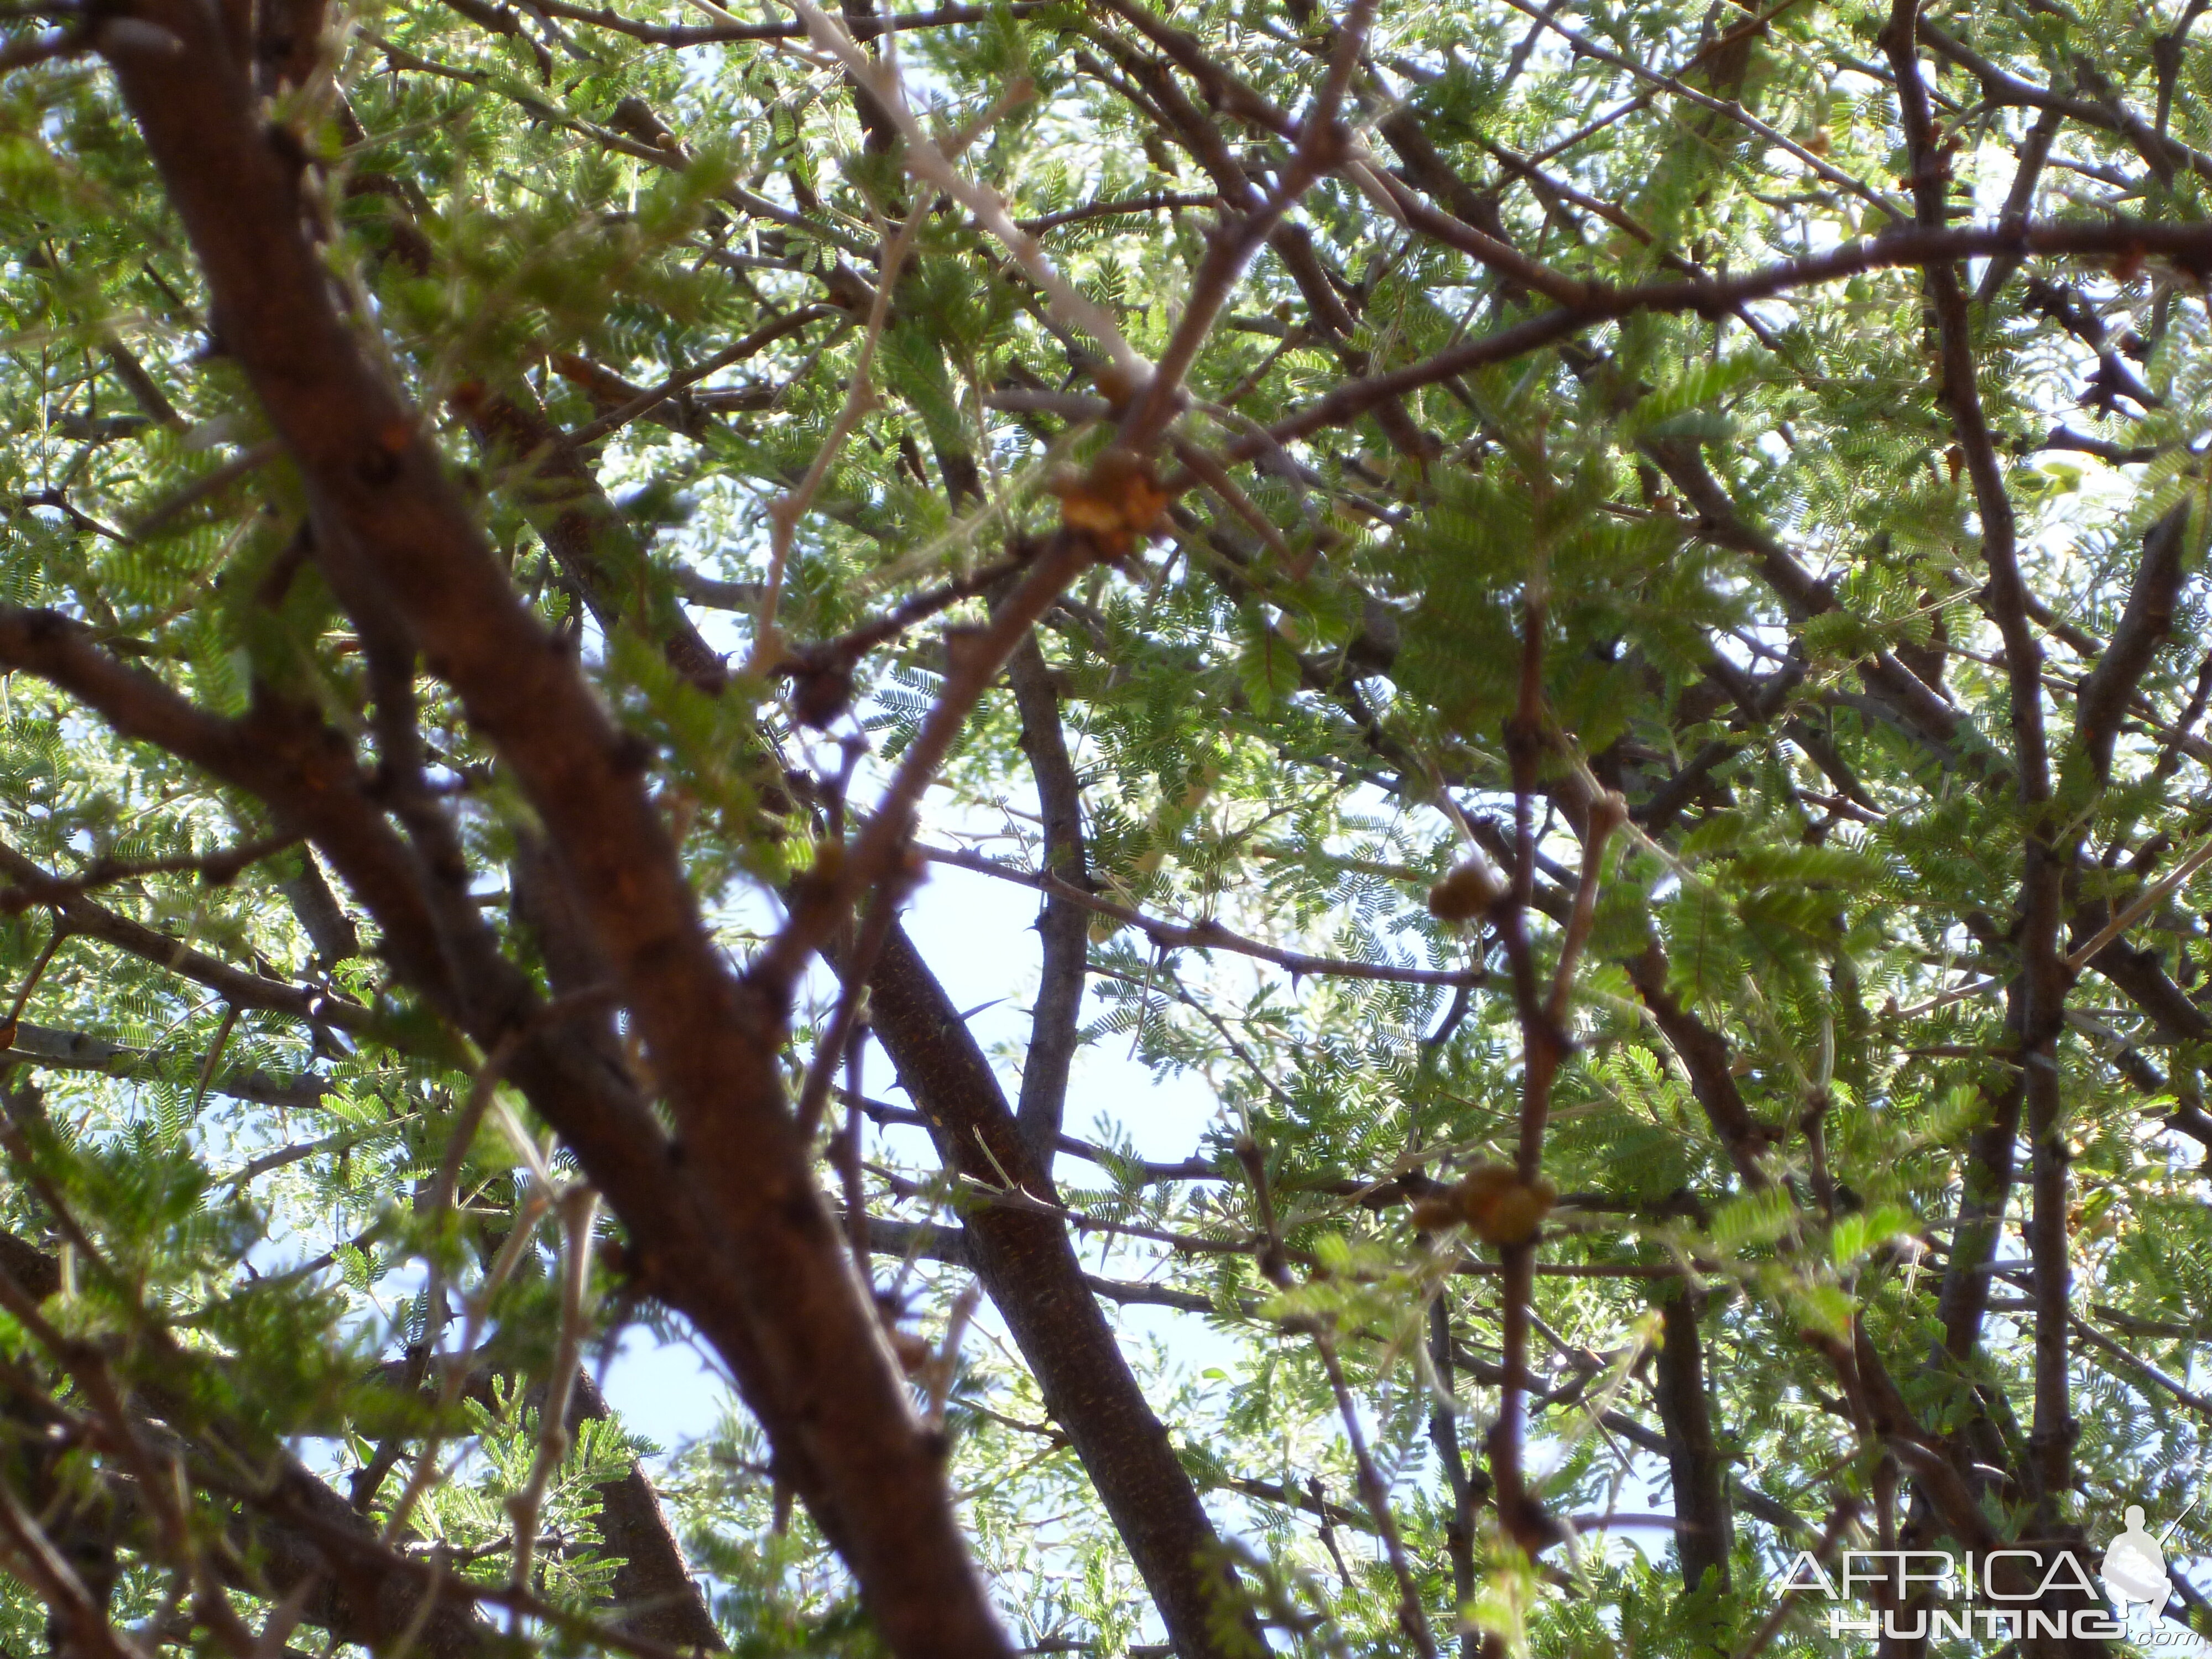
1491 1202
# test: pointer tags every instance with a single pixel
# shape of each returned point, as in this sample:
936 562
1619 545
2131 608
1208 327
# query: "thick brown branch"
2102 700
1705 1055
1030 1270
1700 1472
1064 926
2188 246
2043 979
396 541
235 986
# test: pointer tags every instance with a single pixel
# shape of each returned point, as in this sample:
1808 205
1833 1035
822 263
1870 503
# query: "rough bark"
1703 1536
1062 924
1029 1267
293 1530
655 1594
777 1294
1444 1435
2102 700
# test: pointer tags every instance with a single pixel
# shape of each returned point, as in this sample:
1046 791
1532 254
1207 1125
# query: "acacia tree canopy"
1586 620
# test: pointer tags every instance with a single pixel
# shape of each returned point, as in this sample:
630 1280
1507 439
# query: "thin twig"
1322 146
1373 1492
819 909
579 1207
215 869
1130 205
731 29
750 346
1728 108
2135 1362
38 972
1841 1519
453 1374
31 1556
946 1361
214 1054
2138 907
839 1041
2187 245
1200 935
927 162
160 516
790 508
161 1486
1608 813
1376 1496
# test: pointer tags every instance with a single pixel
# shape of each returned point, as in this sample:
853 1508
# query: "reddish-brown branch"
1064 928
1543 1046
866 28
2103 697
1161 101
2044 976
1323 145
402 549
1223 90
1029 1267
2188 246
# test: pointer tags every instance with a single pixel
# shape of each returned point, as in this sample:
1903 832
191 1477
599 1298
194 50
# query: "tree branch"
1063 926
1200 935
1030 1270
395 540
1704 1539
2102 699
2188 246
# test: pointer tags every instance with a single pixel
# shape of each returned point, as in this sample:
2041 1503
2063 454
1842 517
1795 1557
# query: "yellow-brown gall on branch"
1608 812
1491 1202
1466 894
1116 384
1436 1215
1118 502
